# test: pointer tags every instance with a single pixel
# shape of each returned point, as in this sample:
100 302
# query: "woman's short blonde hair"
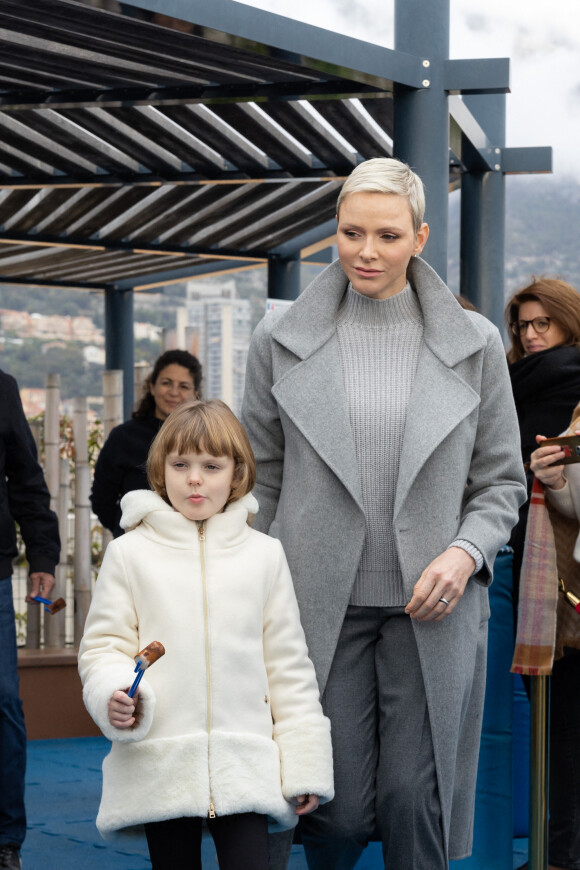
387 175
205 426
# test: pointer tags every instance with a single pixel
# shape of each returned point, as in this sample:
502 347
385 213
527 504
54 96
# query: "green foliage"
160 316
20 628
67 441
147 351
30 361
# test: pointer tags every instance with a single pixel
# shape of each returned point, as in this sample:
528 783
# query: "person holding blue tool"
24 499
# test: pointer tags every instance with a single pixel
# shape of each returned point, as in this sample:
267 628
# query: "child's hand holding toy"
122 705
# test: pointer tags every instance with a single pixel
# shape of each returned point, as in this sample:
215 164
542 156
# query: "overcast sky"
541 39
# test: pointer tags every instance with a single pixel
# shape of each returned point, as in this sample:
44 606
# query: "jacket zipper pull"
211 811
201 531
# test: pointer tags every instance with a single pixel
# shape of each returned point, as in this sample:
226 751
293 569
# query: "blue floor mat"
63 789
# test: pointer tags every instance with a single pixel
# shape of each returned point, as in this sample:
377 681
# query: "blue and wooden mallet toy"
51 607
144 660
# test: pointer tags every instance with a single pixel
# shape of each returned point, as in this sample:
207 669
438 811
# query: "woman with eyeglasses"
121 466
544 363
544 357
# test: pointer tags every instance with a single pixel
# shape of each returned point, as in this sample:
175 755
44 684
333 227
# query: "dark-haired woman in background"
544 365
121 466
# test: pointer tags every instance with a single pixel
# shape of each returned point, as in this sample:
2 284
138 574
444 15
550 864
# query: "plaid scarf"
547 623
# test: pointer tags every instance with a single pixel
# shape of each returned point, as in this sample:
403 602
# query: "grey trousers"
279 846
385 776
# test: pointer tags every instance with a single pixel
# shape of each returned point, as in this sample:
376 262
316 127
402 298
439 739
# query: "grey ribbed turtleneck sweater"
379 343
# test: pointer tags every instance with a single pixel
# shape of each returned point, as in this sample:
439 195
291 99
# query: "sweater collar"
450 332
359 310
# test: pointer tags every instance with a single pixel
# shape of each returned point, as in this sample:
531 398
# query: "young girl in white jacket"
227 726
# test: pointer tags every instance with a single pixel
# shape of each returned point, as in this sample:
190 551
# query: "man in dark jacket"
24 499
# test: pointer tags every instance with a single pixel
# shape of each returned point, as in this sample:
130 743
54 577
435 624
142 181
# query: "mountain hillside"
542 231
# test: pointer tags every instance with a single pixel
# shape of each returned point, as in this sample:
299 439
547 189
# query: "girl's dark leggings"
241 842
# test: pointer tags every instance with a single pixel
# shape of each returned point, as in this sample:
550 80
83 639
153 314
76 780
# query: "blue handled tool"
145 659
50 606
139 671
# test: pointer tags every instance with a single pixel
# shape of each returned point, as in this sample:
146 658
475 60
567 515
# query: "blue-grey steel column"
421 117
283 277
482 250
119 342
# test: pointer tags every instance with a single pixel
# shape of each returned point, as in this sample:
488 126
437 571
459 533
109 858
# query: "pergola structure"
145 142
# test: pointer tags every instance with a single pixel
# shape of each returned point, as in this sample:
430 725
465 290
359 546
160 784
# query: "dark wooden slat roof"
128 138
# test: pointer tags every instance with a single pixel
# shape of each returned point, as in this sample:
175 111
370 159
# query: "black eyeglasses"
539 325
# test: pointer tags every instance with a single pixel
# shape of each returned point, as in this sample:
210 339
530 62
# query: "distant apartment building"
215 325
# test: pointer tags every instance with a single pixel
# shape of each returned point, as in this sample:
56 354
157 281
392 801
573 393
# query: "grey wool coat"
460 476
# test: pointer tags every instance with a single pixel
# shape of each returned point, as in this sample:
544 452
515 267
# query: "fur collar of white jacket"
144 504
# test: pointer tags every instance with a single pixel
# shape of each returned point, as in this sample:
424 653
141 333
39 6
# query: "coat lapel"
439 395
312 392
440 399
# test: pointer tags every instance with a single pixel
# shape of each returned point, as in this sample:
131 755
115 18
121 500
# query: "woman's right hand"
543 462
122 709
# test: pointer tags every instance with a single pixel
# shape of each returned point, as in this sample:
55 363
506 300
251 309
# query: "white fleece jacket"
231 714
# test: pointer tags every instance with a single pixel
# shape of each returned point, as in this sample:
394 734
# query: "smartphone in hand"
570 444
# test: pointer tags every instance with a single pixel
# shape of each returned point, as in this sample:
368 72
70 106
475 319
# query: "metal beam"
113 98
483 219
119 340
421 126
88 244
176 276
480 76
302 45
52 284
323 256
305 240
283 277
143 283
469 141
476 149
155 179
526 160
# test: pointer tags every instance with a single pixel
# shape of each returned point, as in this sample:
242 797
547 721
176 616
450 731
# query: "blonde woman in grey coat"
387 445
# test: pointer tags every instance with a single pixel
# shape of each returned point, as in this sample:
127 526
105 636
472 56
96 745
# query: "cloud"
477 22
